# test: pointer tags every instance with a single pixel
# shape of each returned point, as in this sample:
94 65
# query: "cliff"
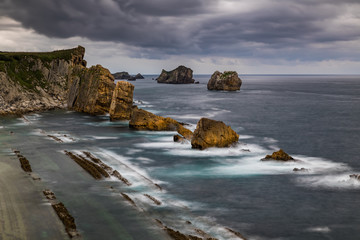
36 81
41 81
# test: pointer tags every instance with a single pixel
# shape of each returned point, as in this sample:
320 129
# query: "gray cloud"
285 28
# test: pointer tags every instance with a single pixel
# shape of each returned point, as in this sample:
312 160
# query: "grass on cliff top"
18 65
44 56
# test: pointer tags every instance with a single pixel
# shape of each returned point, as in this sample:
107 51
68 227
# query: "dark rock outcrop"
180 75
227 81
139 76
211 133
122 101
131 79
91 90
121 75
278 156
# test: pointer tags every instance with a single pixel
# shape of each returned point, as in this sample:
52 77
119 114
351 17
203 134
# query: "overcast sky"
249 36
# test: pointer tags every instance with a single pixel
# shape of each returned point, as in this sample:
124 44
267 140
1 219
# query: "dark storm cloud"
198 26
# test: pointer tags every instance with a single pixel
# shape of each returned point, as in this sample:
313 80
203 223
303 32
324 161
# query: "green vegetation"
227 74
19 66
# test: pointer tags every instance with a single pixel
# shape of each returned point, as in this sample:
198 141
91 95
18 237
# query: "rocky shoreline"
65 82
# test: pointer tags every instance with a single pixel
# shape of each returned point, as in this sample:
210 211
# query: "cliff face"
91 90
41 81
36 81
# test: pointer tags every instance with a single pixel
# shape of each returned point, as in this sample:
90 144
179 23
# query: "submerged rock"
211 133
227 81
180 75
300 170
278 156
122 101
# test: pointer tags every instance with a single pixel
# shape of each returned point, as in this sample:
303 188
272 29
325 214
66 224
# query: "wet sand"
24 211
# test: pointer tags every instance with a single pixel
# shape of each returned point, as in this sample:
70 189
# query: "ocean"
314 118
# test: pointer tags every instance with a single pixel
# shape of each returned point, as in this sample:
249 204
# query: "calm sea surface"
313 118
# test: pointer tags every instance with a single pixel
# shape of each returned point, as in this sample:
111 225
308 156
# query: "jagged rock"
278 156
121 75
180 75
122 100
144 120
227 81
92 90
211 133
139 76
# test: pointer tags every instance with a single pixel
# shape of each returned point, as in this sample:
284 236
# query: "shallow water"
313 118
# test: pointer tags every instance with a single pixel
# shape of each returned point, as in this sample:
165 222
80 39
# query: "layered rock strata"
122 101
227 81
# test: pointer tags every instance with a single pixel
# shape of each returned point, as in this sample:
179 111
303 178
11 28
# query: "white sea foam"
132 151
334 181
321 229
104 137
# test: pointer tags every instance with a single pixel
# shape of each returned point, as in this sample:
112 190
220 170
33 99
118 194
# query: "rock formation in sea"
227 81
122 101
36 81
91 90
121 75
278 156
144 120
211 133
139 76
180 75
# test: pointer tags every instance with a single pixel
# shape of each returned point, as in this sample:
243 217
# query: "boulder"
122 101
180 75
278 156
211 133
178 138
227 81
121 75
139 76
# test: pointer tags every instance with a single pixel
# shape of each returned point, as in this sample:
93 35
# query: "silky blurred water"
313 118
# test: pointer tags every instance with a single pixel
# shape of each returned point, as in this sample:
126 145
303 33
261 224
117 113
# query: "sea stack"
180 75
227 81
122 100
121 75
211 133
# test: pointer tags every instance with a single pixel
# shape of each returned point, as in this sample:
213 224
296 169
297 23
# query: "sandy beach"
24 211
